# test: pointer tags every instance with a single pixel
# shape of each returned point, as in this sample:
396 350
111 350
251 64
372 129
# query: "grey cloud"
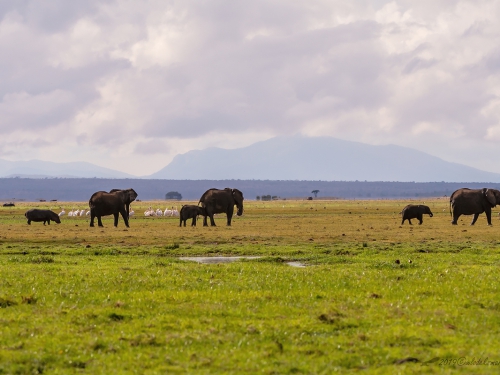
189 69
152 147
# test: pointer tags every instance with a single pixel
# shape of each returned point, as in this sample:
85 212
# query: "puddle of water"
296 264
216 260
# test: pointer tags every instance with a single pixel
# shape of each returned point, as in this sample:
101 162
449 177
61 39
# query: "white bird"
88 213
82 212
148 212
167 212
159 212
175 212
131 212
62 212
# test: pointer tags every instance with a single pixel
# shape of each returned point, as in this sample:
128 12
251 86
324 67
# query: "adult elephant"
473 202
102 203
216 201
128 198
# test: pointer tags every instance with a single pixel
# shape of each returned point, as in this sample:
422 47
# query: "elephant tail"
450 208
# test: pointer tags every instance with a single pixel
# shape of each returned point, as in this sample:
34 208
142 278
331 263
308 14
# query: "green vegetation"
375 296
173 195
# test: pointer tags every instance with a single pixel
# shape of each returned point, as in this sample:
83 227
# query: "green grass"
75 299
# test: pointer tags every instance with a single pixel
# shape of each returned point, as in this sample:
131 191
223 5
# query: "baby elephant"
414 212
190 211
41 215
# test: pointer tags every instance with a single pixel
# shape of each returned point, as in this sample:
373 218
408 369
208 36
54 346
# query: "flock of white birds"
159 212
149 212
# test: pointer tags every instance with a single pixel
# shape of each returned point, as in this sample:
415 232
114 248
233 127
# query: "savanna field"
375 296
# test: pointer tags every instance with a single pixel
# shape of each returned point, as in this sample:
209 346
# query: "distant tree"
274 197
258 197
266 197
173 195
315 192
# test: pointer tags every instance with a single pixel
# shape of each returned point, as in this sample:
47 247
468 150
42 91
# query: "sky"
128 85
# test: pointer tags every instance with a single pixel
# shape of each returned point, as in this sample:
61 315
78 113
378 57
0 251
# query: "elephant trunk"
240 210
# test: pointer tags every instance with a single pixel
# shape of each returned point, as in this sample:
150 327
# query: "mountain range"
42 169
319 158
280 158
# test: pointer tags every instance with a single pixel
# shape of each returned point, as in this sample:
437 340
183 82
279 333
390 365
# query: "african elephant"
217 201
102 203
189 211
413 211
128 199
473 202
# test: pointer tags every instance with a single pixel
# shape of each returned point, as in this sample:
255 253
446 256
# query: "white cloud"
128 85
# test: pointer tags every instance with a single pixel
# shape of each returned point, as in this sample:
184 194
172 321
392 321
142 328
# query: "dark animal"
102 203
37 215
217 201
128 199
8 205
190 212
473 202
413 211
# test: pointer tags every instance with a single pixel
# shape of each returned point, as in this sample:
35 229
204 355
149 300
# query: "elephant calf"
46 216
413 211
189 211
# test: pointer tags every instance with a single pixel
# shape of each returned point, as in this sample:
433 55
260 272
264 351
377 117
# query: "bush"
173 195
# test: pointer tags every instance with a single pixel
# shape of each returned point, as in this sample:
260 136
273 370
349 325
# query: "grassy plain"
375 297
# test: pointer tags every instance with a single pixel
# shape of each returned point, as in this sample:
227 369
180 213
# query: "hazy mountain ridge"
48 169
318 158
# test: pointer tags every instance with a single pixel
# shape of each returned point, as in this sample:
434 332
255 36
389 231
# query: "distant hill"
318 158
43 169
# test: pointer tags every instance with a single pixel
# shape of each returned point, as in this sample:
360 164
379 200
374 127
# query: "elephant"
217 201
102 203
37 215
473 202
189 211
128 199
413 211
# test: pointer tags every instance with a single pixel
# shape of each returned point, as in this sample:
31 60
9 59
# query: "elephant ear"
490 197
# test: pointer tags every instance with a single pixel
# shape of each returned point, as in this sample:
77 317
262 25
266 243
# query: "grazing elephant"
128 198
413 211
102 203
217 201
37 215
189 211
473 202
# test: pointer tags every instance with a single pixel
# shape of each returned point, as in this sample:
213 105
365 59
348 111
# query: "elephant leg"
474 218
115 221
409 221
48 222
29 222
420 221
205 224
125 218
193 222
488 216
92 216
455 218
403 221
99 221
212 221
229 214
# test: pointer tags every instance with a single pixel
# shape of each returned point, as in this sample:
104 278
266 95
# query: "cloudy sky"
129 84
